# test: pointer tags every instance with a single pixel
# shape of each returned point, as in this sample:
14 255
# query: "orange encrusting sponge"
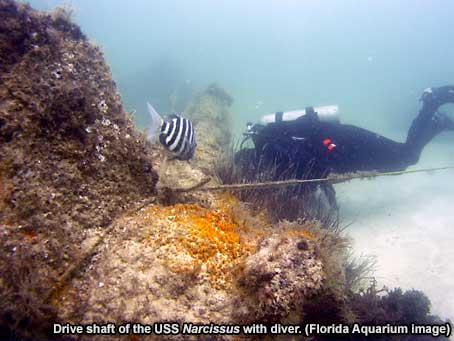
211 237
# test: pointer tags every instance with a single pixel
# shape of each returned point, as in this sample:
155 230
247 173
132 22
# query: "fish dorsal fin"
172 116
154 127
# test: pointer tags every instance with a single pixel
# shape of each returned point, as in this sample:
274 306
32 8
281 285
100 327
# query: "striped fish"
175 133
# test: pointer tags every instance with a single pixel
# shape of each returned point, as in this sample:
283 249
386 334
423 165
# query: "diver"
315 145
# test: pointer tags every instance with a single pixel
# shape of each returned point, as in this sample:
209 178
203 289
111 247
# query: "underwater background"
372 58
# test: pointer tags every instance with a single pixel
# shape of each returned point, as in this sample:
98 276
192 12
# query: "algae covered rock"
67 144
209 111
190 264
70 158
282 272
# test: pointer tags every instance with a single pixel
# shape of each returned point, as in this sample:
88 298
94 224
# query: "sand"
407 223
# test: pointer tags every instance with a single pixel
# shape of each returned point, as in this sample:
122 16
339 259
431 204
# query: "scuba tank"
327 113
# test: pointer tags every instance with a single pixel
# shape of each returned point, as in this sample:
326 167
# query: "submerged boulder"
189 264
67 144
70 158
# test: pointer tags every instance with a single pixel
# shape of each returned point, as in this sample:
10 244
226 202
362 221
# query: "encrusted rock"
281 273
66 166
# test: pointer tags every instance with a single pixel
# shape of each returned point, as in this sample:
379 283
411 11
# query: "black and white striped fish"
175 133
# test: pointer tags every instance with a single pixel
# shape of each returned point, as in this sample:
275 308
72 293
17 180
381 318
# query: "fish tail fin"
154 127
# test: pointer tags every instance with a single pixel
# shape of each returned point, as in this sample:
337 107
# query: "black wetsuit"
312 149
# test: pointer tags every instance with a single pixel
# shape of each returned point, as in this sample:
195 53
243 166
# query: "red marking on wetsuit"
326 142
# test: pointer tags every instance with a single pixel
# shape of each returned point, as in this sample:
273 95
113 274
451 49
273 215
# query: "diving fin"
443 121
